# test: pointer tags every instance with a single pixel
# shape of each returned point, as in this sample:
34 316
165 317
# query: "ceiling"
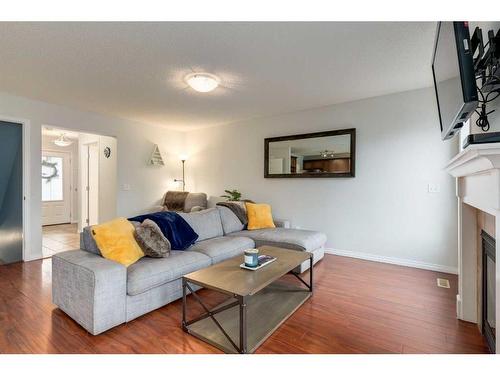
56 133
136 70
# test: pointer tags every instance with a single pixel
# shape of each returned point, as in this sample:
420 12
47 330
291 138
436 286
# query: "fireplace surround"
477 172
488 321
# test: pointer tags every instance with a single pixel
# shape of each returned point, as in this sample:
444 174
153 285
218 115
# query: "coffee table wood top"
227 277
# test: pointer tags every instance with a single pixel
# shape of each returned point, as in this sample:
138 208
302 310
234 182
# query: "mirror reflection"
327 154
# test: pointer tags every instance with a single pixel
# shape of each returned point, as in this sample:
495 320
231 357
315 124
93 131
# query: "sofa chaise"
100 294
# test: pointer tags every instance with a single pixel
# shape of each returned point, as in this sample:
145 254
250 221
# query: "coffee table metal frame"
241 301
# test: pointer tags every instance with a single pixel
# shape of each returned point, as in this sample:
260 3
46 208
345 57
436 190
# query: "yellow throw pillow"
116 241
259 216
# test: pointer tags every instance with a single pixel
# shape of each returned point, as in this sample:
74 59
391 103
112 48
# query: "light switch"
433 188
126 187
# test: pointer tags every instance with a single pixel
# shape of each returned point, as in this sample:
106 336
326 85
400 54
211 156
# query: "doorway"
73 166
11 192
59 175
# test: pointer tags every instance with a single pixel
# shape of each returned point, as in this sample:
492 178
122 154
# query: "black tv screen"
454 79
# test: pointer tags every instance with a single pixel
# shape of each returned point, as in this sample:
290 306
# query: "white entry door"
56 187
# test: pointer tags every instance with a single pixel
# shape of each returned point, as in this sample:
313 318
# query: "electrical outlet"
433 188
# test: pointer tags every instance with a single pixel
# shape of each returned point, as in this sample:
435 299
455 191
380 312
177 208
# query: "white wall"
106 178
385 211
134 142
89 174
103 192
284 154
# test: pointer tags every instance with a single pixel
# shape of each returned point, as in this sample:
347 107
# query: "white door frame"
26 129
84 188
70 168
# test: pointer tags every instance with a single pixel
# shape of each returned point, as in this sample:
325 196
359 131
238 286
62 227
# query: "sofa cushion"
195 200
259 216
296 239
87 241
222 248
230 222
115 239
207 223
151 240
148 273
180 234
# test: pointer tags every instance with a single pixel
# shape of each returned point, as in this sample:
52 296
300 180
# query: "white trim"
26 190
26 128
391 260
475 159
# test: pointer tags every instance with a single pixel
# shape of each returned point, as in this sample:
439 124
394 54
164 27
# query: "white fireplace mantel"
477 170
475 159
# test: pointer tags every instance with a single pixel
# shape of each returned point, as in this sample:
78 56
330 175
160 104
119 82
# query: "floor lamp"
183 160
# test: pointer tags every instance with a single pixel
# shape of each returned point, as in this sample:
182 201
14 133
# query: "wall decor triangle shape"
156 158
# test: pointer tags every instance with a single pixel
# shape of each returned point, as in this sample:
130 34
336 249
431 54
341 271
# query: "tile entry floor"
58 238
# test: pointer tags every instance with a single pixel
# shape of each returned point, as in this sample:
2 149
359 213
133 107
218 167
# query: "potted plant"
232 195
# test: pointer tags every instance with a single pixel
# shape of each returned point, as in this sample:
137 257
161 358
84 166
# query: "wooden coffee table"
259 301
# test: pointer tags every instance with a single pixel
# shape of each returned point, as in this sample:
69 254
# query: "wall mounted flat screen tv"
454 78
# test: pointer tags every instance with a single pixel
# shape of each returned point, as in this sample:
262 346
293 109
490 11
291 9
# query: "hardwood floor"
358 307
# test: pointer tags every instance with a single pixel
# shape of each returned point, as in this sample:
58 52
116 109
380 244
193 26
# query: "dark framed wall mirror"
323 154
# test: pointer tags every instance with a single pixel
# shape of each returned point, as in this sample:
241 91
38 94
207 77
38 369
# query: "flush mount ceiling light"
62 141
202 82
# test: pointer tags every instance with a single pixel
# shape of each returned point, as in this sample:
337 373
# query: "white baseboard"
391 260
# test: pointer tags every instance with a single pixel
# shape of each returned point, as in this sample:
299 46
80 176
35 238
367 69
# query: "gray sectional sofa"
100 294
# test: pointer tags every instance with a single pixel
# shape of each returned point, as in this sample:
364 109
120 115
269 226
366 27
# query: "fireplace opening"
488 304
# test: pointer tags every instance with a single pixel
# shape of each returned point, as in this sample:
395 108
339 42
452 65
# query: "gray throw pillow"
87 241
151 240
